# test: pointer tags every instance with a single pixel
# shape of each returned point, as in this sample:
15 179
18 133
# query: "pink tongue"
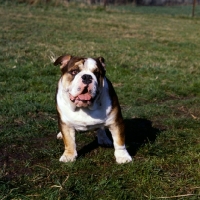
84 97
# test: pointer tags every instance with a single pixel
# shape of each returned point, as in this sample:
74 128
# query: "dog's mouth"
84 99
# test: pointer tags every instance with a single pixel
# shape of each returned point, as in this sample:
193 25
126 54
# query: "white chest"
83 119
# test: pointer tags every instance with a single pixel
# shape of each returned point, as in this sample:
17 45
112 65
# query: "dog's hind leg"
59 136
103 138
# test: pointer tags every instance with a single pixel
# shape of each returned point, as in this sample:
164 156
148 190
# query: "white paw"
65 159
59 136
122 156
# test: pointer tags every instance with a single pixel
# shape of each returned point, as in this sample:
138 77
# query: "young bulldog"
86 100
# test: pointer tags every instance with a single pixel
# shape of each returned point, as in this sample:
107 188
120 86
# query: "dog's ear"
62 60
102 61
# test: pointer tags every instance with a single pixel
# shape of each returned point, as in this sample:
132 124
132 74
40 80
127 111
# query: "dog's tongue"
84 97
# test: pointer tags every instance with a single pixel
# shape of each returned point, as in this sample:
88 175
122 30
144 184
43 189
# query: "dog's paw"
65 158
122 156
59 136
125 159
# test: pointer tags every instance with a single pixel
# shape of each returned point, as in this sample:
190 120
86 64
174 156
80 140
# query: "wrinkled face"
82 78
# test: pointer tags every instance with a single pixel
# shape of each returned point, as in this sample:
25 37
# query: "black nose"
86 79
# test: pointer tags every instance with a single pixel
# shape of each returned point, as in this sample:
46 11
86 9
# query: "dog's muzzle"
85 96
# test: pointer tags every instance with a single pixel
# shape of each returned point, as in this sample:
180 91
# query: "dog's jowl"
85 101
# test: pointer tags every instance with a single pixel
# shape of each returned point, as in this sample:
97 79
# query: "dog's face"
82 78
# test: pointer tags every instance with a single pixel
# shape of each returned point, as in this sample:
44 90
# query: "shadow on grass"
138 132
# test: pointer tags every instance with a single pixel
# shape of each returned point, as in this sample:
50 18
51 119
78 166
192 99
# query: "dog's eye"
74 72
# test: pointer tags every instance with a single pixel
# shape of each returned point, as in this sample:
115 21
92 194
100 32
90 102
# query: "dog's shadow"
138 132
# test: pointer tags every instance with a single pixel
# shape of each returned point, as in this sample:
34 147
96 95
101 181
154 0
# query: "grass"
153 61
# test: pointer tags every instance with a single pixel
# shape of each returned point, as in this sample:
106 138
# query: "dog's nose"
86 79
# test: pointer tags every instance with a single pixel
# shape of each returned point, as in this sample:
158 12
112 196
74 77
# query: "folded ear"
102 65
102 61
62 60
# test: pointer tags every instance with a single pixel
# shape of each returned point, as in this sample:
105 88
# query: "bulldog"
86 100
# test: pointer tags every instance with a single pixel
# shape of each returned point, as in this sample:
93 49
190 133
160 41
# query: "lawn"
153 60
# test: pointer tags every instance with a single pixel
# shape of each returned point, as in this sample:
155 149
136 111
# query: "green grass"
176 10
153 61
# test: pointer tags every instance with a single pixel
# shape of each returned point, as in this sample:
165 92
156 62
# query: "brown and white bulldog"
85 101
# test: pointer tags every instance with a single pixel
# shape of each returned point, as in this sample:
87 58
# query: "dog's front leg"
121 154
68 136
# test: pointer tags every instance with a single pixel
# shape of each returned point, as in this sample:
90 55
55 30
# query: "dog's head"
82 78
